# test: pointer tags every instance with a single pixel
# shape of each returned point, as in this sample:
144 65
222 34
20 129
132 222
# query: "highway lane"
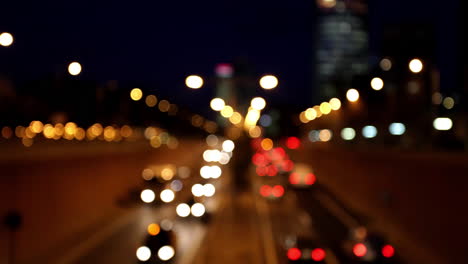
66 193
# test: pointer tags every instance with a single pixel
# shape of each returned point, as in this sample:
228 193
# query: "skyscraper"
342 45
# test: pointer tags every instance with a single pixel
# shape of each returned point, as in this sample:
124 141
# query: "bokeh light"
194 82
369 132
352 95
183 210
143 253
386 64
335 104
258 103
348 133
165 253
217 104
153 229
151 100
442 123
74 68
167 196
6 39
268 82
415 65
147 196
136 94
377 83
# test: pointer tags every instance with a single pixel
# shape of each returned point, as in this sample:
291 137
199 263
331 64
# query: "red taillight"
261 171
318 254
388 251
265 190
277 191
310 178
288 165
294 254
294 178
272 170
293 143
360 250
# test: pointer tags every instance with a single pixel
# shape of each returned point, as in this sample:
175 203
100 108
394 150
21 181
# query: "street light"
194 81
377 84
217 104
416 65
6 39
258 103
268 82
352 95
74 68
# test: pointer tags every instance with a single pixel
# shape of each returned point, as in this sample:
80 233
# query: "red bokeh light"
261 171
388 251
259 159
272 170
293 143
294 254
277 191
310 178
318 254
294 178
288 165
265 190
360 250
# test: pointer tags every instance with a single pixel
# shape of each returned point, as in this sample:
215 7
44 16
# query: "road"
81 205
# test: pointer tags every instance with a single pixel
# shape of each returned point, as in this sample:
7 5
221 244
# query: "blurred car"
305 250
158 248
366 247
302 176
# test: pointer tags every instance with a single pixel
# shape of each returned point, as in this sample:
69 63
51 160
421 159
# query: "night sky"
156 44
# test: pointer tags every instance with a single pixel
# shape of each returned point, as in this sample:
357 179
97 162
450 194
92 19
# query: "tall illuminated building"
341 45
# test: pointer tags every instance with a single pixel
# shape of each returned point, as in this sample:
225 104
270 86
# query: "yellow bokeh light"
255 132
352 95
227 111
29 133
96 129
197 120
325 135
6 39
126 131
36 126
210 127
416 65
48 131
155 142
310 114
317 110
109 133
268 82
217 104
27 142
194 82
266 144
335 103
326 3
19 131
153 229
325 108
448 102
258 103
136 94
377 83
80 133
164 106
74 68
303 117
58 130
236 118
151 100
7 132
167 173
